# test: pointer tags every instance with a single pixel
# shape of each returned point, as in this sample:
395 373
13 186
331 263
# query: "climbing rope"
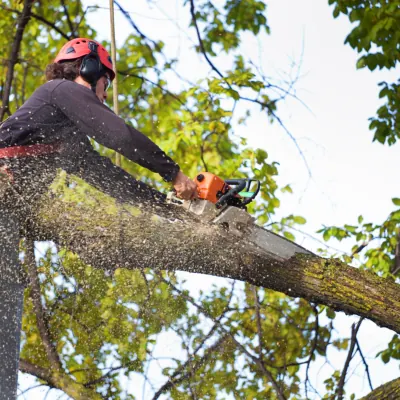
114 62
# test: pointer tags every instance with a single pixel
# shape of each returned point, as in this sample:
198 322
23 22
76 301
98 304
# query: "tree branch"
41 317
143 78
255 359
36 371
107 374
259 328
39 18
396 263
59 381
313 348
388 391
203 50
71 26
321 281
261 103
365 364
353 340
23 20
175 379
136 28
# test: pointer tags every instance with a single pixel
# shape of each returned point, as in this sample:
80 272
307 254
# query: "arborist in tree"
52 130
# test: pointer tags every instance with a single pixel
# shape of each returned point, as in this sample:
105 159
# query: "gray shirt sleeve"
81 106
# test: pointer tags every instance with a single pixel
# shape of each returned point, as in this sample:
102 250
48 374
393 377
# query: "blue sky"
350 174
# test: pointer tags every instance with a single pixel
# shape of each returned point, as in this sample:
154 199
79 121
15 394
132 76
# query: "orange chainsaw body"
210 187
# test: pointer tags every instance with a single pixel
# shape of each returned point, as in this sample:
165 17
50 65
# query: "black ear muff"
91 69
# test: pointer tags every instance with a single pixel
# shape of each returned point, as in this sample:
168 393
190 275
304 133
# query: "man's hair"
65 70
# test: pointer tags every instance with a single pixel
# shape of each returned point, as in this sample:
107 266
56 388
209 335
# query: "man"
52 130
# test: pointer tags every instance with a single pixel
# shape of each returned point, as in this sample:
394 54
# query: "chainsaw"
223 202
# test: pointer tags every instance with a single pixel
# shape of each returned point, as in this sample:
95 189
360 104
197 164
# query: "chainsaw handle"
250 199
240 184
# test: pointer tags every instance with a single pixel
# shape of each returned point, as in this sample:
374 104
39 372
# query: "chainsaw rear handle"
250 199
240 184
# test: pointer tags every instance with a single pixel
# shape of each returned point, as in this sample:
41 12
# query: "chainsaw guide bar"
221 204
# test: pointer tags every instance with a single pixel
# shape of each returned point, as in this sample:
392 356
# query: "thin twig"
82 18
261 103
108 373
313 348
203 50
365 364
136 28
258 317
143 78
353 339
31 388
175 380
255 359
71 26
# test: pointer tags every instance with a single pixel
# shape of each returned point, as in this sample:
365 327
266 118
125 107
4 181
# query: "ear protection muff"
91 69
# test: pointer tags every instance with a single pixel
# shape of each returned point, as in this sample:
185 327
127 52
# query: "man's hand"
185 188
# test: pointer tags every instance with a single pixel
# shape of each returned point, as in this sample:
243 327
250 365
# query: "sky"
350 175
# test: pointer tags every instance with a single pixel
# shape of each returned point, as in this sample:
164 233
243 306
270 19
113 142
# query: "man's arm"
96 120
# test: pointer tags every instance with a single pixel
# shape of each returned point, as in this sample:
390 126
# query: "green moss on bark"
388 391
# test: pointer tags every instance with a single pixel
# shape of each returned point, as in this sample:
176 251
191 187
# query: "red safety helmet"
77 48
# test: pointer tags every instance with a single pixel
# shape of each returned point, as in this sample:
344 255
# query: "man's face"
101 88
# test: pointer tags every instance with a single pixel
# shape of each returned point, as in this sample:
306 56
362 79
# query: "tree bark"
108 234
388 391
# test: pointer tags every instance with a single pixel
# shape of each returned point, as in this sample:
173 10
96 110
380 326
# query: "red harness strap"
32 150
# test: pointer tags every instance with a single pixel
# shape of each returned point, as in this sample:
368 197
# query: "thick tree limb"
36 371
92 226
23 20
59 381
388 391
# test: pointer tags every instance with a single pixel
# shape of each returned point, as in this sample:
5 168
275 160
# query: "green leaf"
330 313
299 220
289 235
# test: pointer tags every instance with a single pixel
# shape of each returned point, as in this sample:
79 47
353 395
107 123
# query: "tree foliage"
376 36
234 339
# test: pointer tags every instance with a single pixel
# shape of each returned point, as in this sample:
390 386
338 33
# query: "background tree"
236 340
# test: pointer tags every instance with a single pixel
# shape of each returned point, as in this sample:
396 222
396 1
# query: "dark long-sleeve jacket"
64 111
